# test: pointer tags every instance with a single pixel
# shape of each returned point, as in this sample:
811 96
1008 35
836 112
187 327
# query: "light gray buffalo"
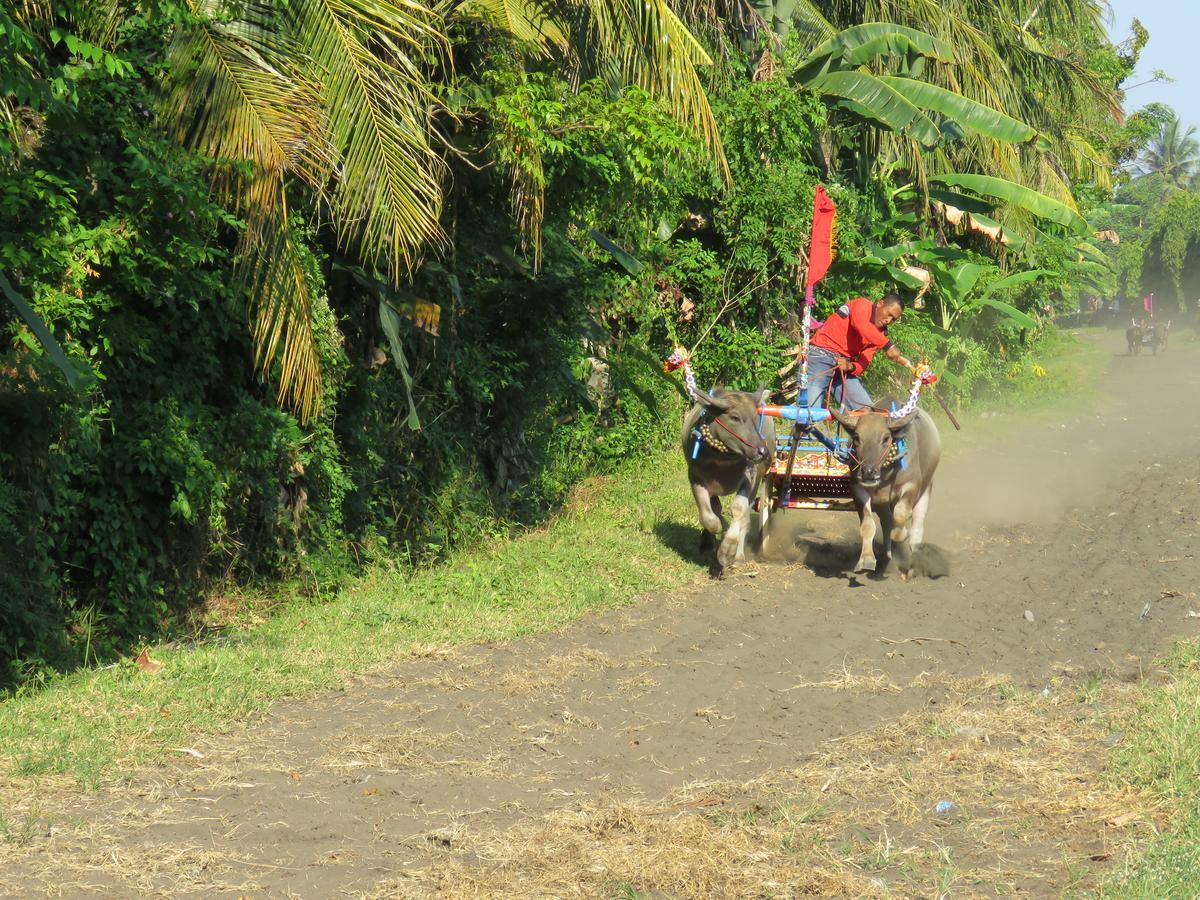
892 477
731 459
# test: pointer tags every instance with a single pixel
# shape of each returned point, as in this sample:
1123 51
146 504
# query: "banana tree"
954 279
903 103
956 291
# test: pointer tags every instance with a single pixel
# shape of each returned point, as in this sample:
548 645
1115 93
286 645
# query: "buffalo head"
731 417
873 439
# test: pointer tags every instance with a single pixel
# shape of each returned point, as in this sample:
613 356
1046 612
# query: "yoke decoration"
679 359
922 375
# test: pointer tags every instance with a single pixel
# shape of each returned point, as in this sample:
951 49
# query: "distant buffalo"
1159 337
726 454
1133 337
892 476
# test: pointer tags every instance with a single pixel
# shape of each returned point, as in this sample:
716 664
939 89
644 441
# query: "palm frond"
268 266
102 21
234 94
644 41
27 11
369 56
526 20
656 51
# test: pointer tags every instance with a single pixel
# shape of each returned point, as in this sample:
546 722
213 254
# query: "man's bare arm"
894 354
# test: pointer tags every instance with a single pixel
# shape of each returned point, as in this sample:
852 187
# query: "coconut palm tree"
339 96
1173 154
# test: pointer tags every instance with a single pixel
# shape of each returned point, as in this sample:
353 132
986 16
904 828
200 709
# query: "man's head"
888 309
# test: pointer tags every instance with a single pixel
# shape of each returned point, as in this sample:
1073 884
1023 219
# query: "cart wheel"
764 517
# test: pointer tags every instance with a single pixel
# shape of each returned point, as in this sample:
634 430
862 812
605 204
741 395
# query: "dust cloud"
1006 470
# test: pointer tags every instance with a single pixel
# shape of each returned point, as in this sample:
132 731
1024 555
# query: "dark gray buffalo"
731 458
1134 337
892 477
1162 331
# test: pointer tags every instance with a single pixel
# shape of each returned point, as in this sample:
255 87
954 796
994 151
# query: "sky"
1174 27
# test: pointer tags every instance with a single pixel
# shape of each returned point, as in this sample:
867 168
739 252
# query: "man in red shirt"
843 347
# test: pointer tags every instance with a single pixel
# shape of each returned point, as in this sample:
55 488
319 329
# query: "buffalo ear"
718 404
850 423
902 422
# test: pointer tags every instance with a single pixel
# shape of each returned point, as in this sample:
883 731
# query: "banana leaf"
874 99
1017 195
862 43
1016 278
1022 319
962 111
391 321
628 261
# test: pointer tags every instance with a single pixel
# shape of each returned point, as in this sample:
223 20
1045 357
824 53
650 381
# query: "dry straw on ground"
855 679
1031 812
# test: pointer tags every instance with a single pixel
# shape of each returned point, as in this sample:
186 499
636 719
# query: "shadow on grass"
683 540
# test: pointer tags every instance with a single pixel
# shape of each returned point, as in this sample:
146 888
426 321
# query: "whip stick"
946 409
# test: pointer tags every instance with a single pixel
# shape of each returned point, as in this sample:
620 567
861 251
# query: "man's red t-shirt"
851 333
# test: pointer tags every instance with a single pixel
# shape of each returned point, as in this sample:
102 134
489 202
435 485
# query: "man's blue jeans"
823 372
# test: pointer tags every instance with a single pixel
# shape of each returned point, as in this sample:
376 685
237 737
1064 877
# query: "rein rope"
732 433
896 454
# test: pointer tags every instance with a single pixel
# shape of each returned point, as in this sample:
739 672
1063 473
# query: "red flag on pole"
820 251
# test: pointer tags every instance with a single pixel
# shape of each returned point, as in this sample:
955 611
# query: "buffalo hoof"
727 553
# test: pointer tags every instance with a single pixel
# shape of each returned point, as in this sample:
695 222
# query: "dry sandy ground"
785 731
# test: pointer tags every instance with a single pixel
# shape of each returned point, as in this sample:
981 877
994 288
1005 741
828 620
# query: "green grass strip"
638 534
1162 753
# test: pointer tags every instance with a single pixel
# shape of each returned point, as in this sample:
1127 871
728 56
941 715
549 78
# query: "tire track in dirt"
1082 522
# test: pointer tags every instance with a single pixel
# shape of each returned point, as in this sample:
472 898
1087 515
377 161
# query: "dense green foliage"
592 225
1157 218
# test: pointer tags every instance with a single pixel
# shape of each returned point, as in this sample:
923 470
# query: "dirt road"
1072 553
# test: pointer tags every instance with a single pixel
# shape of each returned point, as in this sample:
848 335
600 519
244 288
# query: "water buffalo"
726 454
892 477
1133 337
1161 331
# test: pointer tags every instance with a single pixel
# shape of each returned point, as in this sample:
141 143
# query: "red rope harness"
730 431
